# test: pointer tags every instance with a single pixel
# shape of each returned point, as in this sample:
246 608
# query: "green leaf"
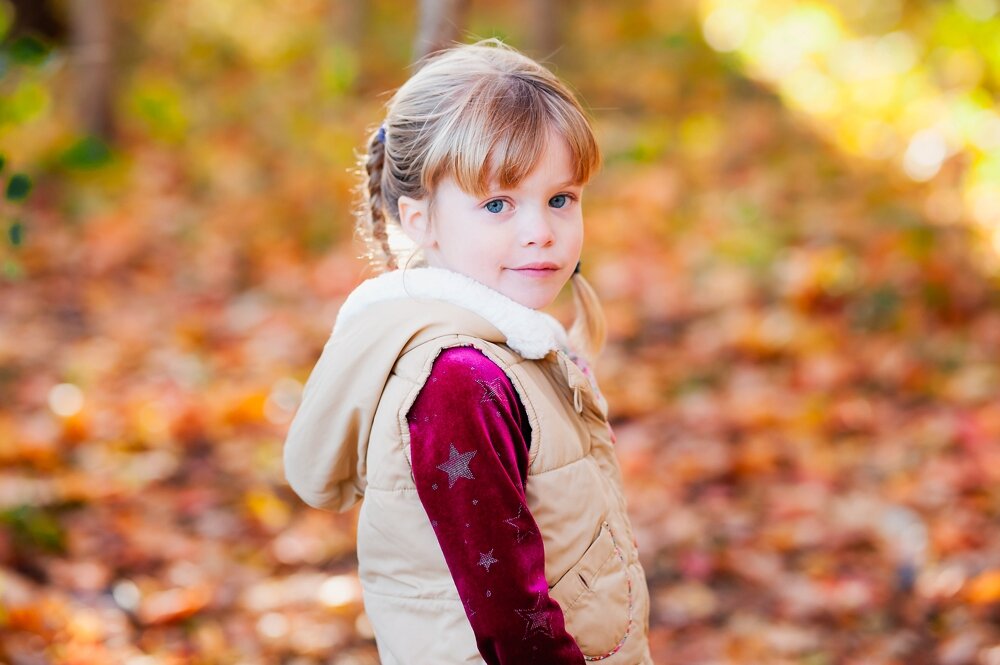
28 100
16 233
3 160
676 40
12 269
161 105
89 152
18 187
34 527
339 69
28 50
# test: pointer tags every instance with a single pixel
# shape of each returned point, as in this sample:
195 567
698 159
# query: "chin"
532 300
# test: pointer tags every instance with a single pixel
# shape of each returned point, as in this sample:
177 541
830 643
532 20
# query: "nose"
536 229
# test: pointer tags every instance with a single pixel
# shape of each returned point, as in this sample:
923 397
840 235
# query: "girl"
493 527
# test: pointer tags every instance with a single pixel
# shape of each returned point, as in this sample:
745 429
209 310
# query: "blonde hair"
473 112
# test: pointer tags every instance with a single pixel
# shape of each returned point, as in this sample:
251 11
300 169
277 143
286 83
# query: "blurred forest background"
796 235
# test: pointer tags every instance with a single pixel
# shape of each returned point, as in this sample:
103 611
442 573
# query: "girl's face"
523 242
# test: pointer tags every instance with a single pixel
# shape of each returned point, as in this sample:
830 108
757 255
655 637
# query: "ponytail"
589 330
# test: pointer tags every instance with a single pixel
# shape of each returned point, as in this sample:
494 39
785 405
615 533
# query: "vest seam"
464 340
394 490
518 358
581 458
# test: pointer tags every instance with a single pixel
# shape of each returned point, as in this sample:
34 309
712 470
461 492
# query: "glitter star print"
515 522
491 390
457 466
486 560
537 619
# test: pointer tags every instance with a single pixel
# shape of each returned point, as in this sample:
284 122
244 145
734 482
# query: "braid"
374 211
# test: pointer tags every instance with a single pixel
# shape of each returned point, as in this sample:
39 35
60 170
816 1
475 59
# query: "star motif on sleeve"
457 466
486 560
536 619
519 534
491 390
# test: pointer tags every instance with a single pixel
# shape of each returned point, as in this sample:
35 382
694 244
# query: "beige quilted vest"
574 488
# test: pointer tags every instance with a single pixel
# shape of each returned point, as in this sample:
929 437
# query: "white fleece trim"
529 332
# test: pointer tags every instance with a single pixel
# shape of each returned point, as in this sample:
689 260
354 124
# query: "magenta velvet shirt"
469 437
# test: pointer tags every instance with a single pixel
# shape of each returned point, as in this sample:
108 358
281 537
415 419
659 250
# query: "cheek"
480 254
575 234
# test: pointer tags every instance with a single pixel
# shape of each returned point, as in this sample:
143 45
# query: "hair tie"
380 137
576 270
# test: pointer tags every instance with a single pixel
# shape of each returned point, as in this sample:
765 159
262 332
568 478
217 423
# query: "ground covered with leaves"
802 374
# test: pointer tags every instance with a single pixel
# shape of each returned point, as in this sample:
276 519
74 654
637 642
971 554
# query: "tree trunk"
546 22
90 22
348 23
548 18
441 22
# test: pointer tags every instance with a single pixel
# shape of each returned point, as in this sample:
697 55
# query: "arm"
469 447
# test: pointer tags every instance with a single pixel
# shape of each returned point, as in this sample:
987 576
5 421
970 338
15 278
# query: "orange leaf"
985 588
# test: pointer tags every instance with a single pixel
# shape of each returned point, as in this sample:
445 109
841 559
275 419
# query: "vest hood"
326 445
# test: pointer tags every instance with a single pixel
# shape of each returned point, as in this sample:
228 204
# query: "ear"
414 218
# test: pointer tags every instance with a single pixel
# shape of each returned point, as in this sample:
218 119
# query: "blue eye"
561 198
495 206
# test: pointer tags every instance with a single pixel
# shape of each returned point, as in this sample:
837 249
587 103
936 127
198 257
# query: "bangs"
499 135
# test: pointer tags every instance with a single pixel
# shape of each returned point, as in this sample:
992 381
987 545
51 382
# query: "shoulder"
467 371
463 378
468 362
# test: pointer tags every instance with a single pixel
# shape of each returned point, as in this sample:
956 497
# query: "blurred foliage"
794 236
914 83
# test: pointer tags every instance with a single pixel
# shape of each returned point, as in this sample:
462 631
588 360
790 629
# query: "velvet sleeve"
469 436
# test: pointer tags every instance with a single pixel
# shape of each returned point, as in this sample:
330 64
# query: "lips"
542 270
548 265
